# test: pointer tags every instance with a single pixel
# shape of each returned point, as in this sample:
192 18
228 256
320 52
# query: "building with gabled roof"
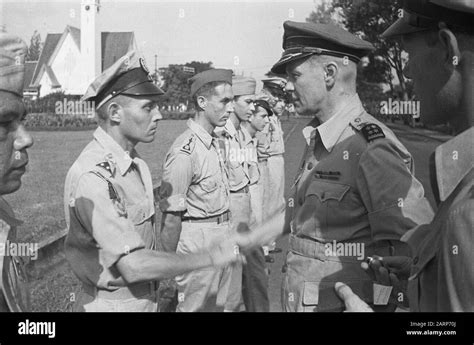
71 60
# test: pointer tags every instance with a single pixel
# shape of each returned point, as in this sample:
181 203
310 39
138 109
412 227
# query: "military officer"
195 194
355 193
439 39
236 158
109 203
255 278
15 141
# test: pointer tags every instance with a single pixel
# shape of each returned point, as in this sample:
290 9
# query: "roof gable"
114 46
49 47
29 71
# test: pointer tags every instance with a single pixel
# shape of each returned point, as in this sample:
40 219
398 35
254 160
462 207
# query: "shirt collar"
247 138
115 154
309 131
230 128
201 133
331 130
450 169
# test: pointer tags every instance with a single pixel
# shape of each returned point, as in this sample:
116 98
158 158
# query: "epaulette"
106 166
189 145
370 131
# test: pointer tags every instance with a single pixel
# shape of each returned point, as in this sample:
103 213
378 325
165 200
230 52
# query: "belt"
261 160
317 250
308 248
126 292
224 217
241 190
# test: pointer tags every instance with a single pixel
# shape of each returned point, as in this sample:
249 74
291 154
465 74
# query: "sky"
245 36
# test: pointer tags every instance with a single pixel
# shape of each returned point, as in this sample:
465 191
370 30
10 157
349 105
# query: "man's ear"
114 110
202 102
450 46
330 72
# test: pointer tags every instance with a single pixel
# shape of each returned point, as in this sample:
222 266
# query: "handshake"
229 250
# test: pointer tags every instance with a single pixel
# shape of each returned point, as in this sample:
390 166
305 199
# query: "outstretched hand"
225 252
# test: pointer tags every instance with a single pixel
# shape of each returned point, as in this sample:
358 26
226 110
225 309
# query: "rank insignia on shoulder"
188 146
107 166
371 132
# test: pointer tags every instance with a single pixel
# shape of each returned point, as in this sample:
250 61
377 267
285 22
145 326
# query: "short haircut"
207 90
102 111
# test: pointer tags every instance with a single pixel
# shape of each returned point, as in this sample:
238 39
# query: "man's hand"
225 252
351 300
244 241
391 271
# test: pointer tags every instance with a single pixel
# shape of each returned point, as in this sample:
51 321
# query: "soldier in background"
194 193
14 142
274 188
255 277
236 159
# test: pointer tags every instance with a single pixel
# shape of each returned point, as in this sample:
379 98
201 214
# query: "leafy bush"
52 121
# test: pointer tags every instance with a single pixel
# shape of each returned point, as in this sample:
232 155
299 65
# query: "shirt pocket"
209 195
209 185
331 206
140 212
326 191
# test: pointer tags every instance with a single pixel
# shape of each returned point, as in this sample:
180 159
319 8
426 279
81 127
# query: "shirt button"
310 166
415 260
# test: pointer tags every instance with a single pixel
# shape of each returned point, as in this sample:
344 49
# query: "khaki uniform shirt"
275 135
355 182
234 155
109 206
250 146
14 287
195 179
442 275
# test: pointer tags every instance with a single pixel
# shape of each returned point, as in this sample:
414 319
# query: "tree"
34 50
368 19
325 13
176 81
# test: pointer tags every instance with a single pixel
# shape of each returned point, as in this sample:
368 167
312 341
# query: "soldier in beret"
14 142
439 38
109 203
195 193
355 187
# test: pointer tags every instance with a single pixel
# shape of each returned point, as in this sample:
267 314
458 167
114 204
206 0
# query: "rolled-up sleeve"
393 197
177 177
110 227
